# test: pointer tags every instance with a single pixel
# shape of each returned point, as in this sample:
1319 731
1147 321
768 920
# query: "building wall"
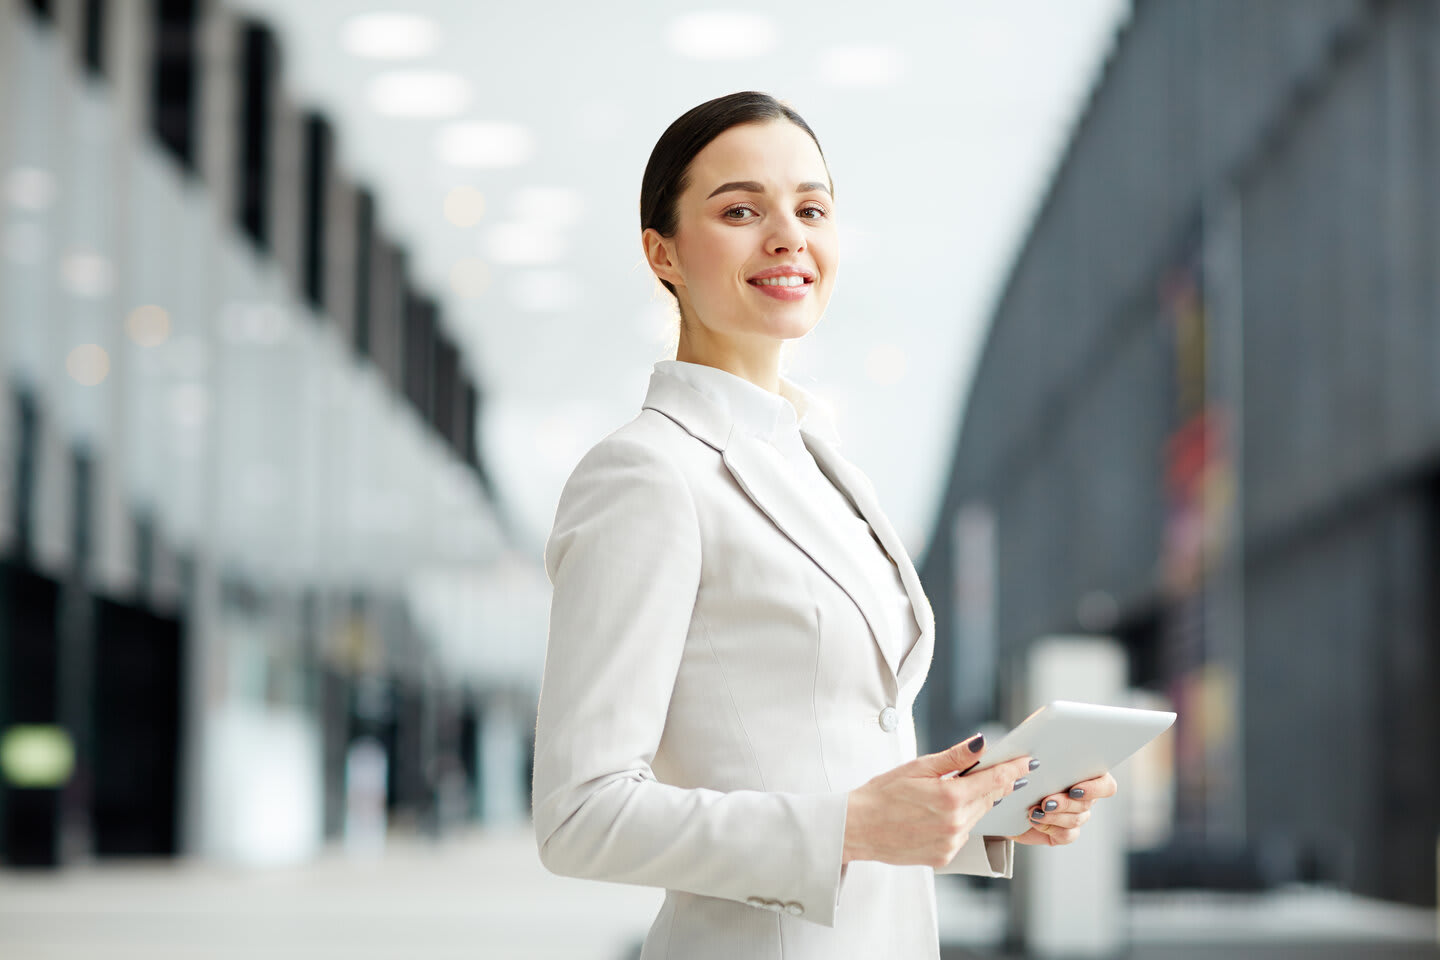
1283 152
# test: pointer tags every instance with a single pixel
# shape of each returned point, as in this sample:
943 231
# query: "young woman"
737 635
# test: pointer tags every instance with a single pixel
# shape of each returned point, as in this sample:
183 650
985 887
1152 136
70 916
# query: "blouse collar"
778 418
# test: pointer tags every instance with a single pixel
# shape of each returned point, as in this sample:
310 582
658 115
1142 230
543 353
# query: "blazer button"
794 909
755 901
889 719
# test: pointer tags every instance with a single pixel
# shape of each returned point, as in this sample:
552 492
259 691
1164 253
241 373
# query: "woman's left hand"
1056 819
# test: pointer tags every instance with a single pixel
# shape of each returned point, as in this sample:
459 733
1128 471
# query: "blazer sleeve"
995 857
624 562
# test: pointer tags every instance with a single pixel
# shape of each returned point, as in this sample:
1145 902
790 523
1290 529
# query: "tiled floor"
485 896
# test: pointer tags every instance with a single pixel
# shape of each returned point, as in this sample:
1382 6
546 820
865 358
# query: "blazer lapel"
763 474
849 480
761 471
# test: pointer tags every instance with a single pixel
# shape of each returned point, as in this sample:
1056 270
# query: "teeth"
790 281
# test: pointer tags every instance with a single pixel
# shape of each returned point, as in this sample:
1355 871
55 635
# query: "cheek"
709 258
825 249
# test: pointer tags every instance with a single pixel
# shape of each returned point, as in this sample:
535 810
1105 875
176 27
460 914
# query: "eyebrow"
751 186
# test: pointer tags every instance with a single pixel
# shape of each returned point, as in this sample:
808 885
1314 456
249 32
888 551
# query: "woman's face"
755 249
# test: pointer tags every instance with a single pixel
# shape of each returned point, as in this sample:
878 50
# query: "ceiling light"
485 145
553 206
419 93
389 36
464 206
524 243
721 35
861 66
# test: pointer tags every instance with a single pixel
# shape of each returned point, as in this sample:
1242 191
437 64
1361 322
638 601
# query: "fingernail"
997 802
977 744
1036 814
1022 782
1076 793
1051 805
1034 764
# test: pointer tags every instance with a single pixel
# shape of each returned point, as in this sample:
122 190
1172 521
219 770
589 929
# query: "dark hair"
667 172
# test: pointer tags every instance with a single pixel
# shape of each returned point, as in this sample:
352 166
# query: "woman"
737 636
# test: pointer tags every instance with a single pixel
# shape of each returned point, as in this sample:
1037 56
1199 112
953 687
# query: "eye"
728 214
819 213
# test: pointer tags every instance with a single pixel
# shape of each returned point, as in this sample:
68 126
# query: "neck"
757 359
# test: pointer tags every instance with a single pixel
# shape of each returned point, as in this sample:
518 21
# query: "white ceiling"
938 165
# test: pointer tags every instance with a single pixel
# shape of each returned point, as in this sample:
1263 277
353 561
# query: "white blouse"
775 418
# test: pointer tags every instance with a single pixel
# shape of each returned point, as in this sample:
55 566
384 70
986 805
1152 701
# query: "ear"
660 254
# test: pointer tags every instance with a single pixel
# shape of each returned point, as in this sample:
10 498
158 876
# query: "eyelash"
729 210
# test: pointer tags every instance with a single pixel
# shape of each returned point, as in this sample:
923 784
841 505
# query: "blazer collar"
766 479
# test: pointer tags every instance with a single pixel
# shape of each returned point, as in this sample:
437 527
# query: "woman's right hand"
916 814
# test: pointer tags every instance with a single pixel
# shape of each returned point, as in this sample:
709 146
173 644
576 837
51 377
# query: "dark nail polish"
1076 793
1034 764
997 802
1022 782
1037 814
1051 805
977 744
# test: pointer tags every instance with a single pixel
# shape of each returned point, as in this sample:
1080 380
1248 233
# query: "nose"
786 238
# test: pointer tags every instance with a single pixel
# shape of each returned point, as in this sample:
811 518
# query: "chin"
786 328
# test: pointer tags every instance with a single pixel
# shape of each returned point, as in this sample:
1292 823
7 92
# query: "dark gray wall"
1318 123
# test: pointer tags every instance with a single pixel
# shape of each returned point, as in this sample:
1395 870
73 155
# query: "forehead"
774 151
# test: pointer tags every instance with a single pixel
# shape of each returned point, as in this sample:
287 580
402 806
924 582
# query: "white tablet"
1073 742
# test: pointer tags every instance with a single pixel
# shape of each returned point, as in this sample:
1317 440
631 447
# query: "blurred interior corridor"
308 309
482 895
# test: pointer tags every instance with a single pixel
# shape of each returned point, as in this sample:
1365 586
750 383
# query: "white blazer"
713 688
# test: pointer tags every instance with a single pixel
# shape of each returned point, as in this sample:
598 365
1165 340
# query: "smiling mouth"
788 281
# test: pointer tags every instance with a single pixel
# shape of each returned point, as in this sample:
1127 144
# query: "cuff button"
794 909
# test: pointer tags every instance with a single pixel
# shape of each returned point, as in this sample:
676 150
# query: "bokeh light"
464 206
88 364
148 325
722 35
389 36
485 145
419 93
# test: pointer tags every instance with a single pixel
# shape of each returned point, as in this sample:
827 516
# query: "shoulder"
627 488
651 443
643 462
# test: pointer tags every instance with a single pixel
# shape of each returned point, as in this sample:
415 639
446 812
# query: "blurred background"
307 310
